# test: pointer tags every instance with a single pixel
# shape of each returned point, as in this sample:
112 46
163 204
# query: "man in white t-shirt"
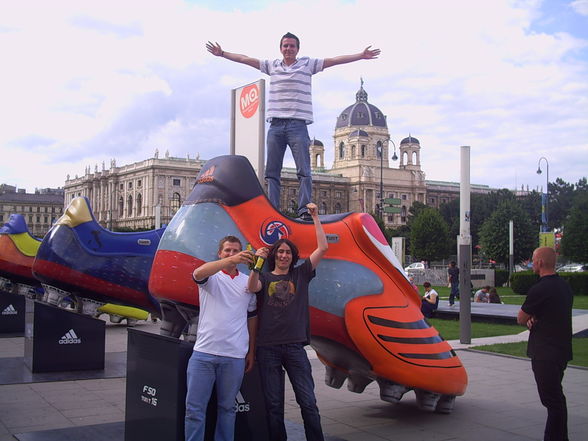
225 343
289 110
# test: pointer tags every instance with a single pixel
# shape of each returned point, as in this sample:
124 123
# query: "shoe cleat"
366 322
445 404
357 383
390 391
97 266
427 400
334 377
18 249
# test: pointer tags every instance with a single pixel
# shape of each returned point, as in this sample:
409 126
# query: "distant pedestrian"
430 300
493 296
453 282
547 312
482 295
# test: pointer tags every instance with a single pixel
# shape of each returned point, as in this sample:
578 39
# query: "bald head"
544 261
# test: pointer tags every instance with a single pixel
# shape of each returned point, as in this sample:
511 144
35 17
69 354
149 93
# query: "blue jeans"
291 132
454 292
293 358
203 371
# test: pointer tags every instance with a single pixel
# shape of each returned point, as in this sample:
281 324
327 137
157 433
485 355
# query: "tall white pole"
465 249
510 248
157 209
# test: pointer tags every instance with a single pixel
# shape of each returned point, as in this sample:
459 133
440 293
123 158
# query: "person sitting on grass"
493 296
482 295
430 300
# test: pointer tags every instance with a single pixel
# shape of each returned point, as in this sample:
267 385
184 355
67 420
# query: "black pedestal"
12 313
156 393
60 340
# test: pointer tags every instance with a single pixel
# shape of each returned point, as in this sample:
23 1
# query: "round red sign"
249 100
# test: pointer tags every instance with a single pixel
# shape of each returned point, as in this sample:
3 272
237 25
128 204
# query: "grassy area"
509 297
579 345
449 329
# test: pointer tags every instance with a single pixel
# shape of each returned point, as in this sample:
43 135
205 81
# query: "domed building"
368 169
362 153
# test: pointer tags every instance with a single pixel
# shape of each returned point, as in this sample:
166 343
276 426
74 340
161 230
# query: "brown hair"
232 239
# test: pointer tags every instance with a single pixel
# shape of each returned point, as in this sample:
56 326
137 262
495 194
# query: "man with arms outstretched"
547 312
290 110
284 330
224 348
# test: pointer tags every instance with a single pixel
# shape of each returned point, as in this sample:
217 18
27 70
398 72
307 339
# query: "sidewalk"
501 403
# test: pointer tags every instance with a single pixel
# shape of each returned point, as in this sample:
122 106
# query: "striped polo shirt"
290 91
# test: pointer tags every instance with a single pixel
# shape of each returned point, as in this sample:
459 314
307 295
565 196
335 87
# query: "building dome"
361 113
410 140
317 142
357 133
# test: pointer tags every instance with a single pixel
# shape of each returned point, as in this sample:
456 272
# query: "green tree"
429 235
481 208
531 204
575 233
561 195
494 234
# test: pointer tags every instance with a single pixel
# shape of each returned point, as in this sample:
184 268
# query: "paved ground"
501 402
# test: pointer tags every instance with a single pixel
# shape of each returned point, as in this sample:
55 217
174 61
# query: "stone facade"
40 209
126 196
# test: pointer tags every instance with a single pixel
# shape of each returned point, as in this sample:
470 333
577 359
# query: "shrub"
500 277
522 281
578 282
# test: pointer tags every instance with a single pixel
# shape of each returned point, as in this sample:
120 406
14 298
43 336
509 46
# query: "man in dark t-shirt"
547 312
453 281
284 330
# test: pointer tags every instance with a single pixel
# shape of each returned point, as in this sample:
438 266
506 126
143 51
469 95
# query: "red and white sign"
249 100
248 124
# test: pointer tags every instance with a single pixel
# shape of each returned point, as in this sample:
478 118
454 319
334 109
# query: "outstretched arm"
367 54
216 50
321 239
209 268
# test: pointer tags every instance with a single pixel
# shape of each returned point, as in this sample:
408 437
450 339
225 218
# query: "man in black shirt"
284 330
547 312
453 281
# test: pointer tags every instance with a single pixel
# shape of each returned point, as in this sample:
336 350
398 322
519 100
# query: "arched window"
323 209
414 158
130 206
139 204
337 208
292 206
363 151
121 207
352 151
341 151
379 149
176 202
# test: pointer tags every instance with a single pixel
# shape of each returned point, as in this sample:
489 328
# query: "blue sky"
85 82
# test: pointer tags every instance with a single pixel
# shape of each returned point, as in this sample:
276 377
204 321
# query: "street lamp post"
544 196
394 158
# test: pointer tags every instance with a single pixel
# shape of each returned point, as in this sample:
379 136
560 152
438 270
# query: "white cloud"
580 6
83 82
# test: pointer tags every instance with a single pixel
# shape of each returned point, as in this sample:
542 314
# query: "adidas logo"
240 404
9 310
70 338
